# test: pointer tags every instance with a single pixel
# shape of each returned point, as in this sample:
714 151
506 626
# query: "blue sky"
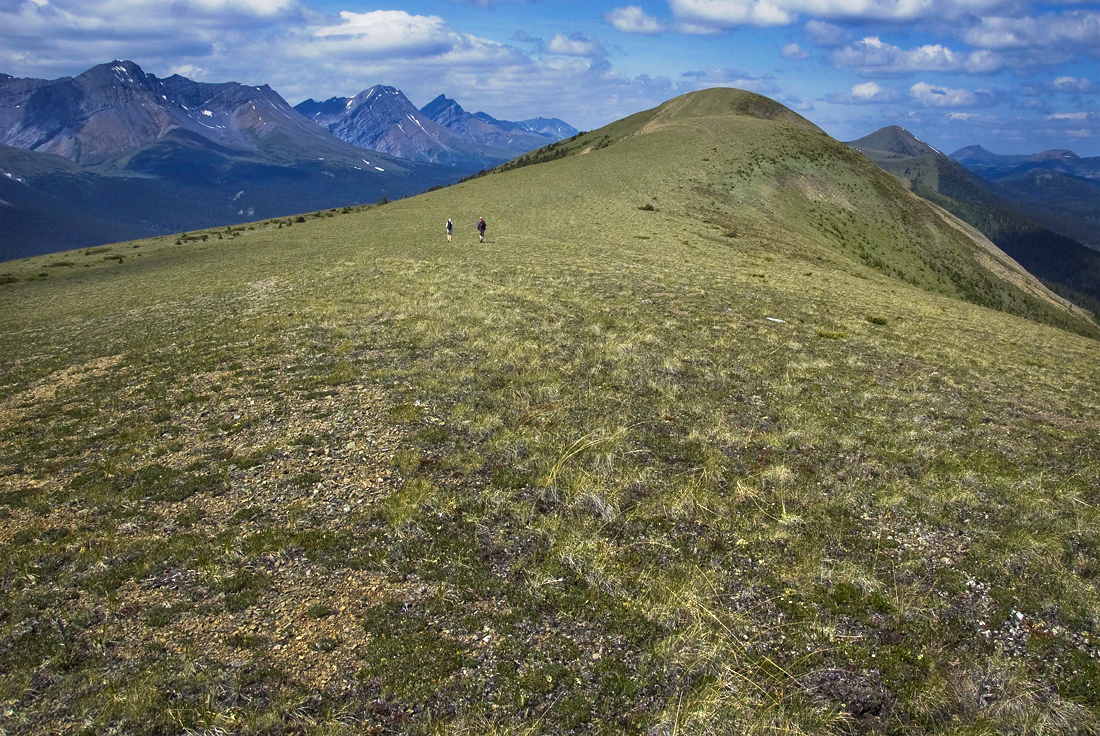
1011 75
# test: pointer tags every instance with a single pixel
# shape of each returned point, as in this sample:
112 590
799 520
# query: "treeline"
1066 267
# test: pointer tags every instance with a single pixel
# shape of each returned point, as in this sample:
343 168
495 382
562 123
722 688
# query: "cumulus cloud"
733 13
730 13
142 18
1073 124
793 52
972 118
1073 85
575 44
725 77
872 57
62 36
929 95
633 19
1078 28
190 71
386 33
867 93
696 29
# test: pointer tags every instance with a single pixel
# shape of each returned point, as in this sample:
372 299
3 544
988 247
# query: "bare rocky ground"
265 474
221 551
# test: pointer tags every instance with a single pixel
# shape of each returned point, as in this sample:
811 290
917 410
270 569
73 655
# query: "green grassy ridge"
630 501
788 180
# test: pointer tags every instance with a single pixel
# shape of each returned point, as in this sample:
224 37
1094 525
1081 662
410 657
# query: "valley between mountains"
721 430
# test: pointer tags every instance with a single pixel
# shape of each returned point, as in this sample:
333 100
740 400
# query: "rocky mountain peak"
895 140
444 111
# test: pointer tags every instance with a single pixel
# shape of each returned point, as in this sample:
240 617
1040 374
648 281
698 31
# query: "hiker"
481 229
450 227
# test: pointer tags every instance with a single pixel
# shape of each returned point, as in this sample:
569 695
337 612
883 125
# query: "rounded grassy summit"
721 430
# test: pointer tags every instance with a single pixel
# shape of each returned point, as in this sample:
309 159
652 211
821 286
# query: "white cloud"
190 71
696 29
1073 85
733 13
793 52
257 7
871 56
1068 116
633 19
386 33
929 95
124 17
575 44
72 35
867 93
972 118
1079 28
730 13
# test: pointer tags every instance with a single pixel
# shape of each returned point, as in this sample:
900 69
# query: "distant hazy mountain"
206 154
1002 214
520 137
996 165
383 119
552 127
1062 189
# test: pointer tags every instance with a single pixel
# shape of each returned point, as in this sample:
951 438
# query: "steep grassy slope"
688 469
1066 266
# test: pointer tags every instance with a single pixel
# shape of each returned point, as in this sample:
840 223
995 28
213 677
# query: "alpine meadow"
722 430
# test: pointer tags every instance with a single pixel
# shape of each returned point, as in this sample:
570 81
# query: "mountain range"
117 153
382 119
1057 188
1017 222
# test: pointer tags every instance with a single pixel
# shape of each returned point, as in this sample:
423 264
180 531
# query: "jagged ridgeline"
720 430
